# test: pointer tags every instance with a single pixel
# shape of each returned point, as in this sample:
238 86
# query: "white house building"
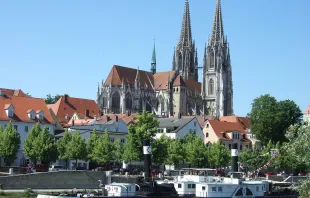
178 127
24 112
117 130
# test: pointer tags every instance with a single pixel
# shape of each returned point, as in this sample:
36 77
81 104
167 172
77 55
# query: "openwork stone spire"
218 28
186 31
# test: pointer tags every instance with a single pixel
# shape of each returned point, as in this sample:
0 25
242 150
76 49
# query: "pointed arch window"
162 105
211 87
104 102
116 102
128 101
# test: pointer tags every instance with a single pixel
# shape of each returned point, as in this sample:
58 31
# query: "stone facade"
178 91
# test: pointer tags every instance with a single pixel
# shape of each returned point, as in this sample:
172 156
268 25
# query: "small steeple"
173 60
98 91
186 31
218 28
137 81
153 63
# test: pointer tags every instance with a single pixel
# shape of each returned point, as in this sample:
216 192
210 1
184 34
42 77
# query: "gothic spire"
153 63
217 28
186 31
173 60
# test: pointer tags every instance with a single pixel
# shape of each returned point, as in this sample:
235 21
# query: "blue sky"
57 47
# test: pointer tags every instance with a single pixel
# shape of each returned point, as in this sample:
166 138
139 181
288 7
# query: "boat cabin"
121 190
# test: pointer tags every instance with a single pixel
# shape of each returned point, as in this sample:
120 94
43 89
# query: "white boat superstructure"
121 189
203 183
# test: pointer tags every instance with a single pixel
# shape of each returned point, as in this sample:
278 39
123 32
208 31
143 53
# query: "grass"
25 194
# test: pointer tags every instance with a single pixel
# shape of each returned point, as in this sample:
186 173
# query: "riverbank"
24 194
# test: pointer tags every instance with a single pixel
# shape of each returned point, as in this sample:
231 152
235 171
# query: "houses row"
83 115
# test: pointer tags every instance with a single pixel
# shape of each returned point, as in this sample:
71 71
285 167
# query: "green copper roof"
154 54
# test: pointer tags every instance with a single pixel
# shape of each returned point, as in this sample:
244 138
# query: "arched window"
116 102
128 101
211 87
104 102
212 59
162 105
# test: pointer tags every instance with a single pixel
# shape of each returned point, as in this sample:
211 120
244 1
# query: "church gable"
193 86
128 75
161 79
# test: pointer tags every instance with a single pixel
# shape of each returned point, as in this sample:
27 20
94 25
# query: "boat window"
193 185
214 189
249 192
179 185
220 189
239 192
262 188
189 186
203 188
257 188
129 188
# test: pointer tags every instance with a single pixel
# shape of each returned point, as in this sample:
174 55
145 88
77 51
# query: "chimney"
87 113
147 158
179 115
66 98
116 118
127 113
108 118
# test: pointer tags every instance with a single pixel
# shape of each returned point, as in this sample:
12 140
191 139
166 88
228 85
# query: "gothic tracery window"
116 102
211 87
128 101
162 104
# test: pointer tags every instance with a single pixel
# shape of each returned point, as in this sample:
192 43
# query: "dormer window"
9 109
40 114
31 114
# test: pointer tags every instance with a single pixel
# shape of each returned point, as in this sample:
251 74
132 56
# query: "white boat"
121 189
203 183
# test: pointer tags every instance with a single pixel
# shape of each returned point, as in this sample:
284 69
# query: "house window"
15 127
207 125
112 140
193 185
211 87
207 134
238 136
122 140
229 146
189 186
213 189
240 147
179 185
26 128
11 113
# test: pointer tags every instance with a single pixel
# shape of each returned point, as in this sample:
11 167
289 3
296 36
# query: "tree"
47 148
253 158
196 152
160 149
30 145
52 99
103 150
62 146
144 128
118 151
270 119
175 152
76 148
91 143
219 154
131 152
9 143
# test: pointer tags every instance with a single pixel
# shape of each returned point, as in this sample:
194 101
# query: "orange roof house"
228 133
12 92
66 107
21 109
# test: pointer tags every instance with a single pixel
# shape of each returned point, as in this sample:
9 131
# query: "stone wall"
54 180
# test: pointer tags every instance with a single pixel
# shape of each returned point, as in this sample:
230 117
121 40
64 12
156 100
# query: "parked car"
56 168
41 168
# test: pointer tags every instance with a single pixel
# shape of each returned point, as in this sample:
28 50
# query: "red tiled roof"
119 73
161 79
179 82
193 86
21 106
201 119
67 105
244 121
13 92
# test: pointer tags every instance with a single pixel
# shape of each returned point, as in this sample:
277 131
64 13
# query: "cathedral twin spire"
217 28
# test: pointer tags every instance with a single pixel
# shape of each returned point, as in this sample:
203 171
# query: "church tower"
185 57
153 63
217 86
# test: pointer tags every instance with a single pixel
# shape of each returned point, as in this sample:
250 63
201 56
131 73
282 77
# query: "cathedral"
177 92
